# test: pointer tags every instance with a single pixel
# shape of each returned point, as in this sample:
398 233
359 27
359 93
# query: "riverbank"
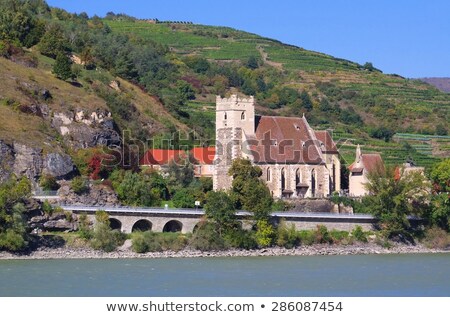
126 253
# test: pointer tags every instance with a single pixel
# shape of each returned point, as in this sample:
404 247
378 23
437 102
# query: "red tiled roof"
285 140
325 138
371 162
160 157
204 155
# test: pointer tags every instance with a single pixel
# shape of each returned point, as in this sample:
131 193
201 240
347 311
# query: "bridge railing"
41 192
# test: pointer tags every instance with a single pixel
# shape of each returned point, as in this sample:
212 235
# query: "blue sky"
410 38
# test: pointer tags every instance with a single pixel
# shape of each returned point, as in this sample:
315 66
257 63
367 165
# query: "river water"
359 275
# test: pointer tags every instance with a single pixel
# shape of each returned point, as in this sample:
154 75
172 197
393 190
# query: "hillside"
149 81
441 83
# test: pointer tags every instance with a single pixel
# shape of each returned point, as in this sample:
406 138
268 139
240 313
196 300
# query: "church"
296 161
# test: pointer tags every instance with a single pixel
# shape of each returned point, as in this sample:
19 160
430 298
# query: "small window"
269 176
243 115
225 116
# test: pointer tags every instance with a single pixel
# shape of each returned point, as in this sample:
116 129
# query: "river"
358 275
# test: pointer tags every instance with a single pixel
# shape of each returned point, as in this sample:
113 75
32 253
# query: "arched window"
224 116
313 183
283 179
269 174
243 115
298 177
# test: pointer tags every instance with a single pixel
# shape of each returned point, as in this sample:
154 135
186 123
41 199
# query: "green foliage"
265 233
240 238
13 226
307 237
248 190
382 133
440 174
103 237
148 241
207 238
219 208
339 237
180 174
136 190
47 208
322 235
394 198
79 185
48 182
185 91
252 62
63 67
440 211
287 236
84 227
53 42
359 234
184 198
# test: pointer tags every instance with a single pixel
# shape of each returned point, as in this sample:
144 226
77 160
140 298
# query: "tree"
440 174
13 226
185 91
79 185
219 208
53 42
382 133
103 237
48 182
393 199
63 67
135 190
184 198
306 101
252 62
368 66
248 190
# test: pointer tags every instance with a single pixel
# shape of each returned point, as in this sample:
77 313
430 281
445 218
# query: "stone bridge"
129 219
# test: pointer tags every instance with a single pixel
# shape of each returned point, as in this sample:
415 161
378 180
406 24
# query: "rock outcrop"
6 161
83 130
58 165
97 195
28 161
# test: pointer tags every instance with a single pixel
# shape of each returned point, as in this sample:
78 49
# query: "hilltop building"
296 161
360 169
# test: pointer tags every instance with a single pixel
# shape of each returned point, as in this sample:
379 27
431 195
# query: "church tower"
235 122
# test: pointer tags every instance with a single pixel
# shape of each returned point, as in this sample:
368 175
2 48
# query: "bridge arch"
173 226
115 224
142 225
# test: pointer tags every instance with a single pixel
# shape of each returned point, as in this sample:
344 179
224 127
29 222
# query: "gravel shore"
76 253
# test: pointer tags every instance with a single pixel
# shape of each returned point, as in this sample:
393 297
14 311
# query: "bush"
359 234
79 185
207 238
84 227
47 208
48 182
240 238
339 237
322 235
103 237
436 238
265 233
307 237
287 237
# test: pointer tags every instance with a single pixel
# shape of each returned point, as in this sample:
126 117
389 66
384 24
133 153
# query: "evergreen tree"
63 67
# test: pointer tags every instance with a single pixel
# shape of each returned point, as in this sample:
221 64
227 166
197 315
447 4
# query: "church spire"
358 153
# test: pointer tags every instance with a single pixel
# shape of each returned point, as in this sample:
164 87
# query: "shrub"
322 235
339 237
359 234
79 185
48 182
207 238
242 239
84 227
103 237
47 208
436 238
265 233
307 237
287 237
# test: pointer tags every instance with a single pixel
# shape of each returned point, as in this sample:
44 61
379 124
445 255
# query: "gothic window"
269 175
313 183
298 177
225 116
243 115
283 180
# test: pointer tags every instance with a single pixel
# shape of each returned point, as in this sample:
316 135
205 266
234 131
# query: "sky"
409 38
